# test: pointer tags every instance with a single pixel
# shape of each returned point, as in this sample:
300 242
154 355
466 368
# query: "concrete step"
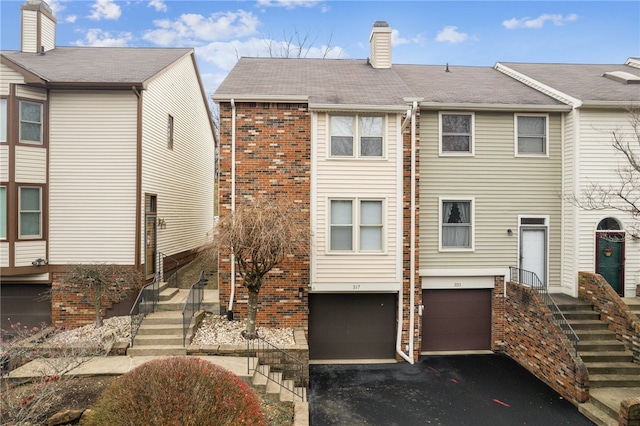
163 318
167 294
273 385
288 395
608 400
588 325
160 329
592 412
600 334
581 315
589 357
158 340
157 350
614 381
601 346
260 377
625 368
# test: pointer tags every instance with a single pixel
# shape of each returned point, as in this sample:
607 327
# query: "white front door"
533 251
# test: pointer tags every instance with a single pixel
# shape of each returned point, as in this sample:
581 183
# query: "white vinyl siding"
570 211
48 33
4 254
31 164
4 163
182 178
8 76
31 93
29 31
598 163
373 179
3 212
502 187
92 193
28 251
3 120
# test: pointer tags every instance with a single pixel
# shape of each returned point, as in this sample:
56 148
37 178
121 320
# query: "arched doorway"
610 245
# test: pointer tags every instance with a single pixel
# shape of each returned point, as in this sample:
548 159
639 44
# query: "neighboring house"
423 185
107 156
600 97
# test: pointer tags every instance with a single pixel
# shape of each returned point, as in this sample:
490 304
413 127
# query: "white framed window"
3 120
356 225
170 132
357 136
531 132
30 213
3 212
30 122
457 224
456 133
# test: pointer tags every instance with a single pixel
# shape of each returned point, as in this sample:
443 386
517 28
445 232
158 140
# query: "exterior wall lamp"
300 292
509 232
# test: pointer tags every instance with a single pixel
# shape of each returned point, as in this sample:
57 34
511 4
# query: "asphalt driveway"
440 390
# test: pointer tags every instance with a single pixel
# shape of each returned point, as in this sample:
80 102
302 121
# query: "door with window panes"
151 231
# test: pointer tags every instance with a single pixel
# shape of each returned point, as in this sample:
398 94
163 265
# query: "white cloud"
105 9
539 22
451 35
98 38
56 7
288 4
71 19
193 29
397 40
158 5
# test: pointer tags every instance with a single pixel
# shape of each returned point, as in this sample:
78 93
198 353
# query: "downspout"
399 351
233 200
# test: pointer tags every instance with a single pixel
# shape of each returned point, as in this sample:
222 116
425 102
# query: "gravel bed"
214 329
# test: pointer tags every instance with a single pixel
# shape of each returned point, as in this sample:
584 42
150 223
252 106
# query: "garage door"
352 326
456 320
24 303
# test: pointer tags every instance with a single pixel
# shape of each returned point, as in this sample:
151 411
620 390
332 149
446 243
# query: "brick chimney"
380 42
38 27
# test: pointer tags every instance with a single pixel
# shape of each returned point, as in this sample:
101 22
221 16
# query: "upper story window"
356 225
456 224
170 132
456 133
531 135
30 214
30 122
357 136
3 120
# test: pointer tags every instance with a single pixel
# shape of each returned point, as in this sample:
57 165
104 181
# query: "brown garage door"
352 326
456 320
24 303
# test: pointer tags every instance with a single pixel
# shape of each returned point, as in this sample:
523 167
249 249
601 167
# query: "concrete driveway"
439 390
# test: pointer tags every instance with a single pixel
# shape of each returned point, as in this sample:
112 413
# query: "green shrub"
178 391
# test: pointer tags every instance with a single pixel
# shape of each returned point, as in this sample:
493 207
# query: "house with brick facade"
100 153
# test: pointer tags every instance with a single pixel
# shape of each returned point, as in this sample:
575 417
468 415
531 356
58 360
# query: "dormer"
380 42
38 27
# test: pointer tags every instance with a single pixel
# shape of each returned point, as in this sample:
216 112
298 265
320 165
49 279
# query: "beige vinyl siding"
7 77
598 163
29 32
92 192
376 179
31 93
503 186
48 34
28 251
4 163
31 164
182 177
4 255
570 213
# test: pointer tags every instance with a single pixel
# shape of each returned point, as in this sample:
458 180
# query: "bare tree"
624 194
260 234
99 283
297 45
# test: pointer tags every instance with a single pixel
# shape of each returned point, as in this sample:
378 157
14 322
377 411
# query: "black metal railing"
531 279
145 304
168 274
277 366
192 305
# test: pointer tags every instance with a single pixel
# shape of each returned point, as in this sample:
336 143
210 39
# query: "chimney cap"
379 24
40 3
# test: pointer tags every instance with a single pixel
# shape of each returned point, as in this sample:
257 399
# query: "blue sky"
424 32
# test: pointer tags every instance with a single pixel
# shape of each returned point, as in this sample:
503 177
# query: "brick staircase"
613 375
161 332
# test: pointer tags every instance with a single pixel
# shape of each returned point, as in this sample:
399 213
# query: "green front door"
610 259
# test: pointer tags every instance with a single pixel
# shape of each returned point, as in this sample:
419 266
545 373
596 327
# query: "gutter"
412 245
233 200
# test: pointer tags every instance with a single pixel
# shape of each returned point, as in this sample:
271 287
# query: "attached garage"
352 326
24 303
456 320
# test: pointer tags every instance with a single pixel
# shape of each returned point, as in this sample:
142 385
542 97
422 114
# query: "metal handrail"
171 277
145 304
192 305
284 369
531 279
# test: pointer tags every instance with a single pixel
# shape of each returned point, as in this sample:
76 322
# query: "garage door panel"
456 320
352 326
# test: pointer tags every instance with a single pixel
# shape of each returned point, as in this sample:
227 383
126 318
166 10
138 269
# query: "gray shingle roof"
349 81
96 65
584 82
